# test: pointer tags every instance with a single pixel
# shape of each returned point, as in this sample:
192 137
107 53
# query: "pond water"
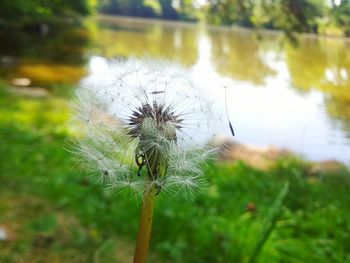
289 96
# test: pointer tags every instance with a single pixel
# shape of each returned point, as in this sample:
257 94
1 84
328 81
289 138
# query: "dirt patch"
258 157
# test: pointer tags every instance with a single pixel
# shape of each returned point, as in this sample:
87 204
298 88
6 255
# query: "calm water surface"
297 97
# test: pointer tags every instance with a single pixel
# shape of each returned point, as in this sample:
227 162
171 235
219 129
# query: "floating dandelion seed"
145 129
142 115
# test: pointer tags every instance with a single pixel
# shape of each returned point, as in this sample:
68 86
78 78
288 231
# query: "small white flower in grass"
145 118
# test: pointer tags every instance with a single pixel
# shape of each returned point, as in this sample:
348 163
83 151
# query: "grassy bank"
54 211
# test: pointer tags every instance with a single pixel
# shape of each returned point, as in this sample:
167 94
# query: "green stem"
144 233
270 223
155 167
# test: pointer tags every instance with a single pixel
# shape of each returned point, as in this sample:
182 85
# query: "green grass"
57 211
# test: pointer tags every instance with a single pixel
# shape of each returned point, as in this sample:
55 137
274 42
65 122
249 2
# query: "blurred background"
279 195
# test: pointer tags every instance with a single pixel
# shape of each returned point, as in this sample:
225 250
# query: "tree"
24 12
340 15
295 15
230 12
168 11
288 15
187 10
127 7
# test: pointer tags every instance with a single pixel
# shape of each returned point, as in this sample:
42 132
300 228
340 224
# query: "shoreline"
171 23
265 157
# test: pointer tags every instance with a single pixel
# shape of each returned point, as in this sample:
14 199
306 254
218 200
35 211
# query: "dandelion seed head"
145 113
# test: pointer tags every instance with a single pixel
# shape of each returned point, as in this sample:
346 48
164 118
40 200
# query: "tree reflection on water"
55 58
324 65
314 65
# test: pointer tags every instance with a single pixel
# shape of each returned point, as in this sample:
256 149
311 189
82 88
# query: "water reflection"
324 65
120 37
239 55
46 60
295 97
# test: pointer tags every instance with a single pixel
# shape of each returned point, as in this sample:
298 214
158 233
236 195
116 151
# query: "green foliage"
187 10
24 12
45 224
297 15
271 221
62 215
130 8
150 8
340 15
288 15
168 11
236 12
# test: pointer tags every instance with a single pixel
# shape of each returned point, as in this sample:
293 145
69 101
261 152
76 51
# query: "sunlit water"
295 97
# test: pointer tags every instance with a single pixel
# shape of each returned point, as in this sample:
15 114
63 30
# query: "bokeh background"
280 194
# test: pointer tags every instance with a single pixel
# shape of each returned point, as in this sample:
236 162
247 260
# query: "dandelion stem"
144 233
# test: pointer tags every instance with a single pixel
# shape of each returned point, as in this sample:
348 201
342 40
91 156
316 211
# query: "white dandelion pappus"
145 113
